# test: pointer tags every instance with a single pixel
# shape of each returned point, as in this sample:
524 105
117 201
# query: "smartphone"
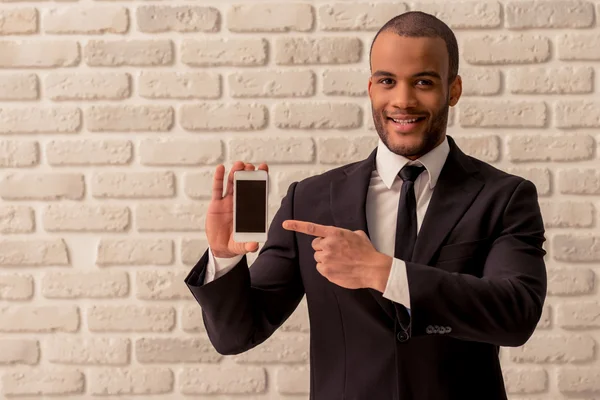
250 203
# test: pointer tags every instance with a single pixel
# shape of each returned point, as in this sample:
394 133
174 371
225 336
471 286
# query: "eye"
384 80
427 83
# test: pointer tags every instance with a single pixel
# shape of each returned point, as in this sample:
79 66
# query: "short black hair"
420 24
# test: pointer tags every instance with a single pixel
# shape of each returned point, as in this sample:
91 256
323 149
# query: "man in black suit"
393 315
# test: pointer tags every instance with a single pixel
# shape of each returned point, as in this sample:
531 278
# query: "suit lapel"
348 206
454 193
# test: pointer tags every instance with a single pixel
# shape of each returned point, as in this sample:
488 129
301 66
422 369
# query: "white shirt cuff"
218 266
396 288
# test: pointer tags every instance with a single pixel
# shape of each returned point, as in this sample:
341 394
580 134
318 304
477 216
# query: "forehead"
406 55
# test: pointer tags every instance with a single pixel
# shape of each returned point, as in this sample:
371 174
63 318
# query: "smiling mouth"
406 124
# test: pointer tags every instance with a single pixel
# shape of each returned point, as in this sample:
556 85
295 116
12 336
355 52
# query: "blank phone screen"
251 206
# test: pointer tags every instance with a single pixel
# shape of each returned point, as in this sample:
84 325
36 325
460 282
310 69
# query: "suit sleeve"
504 305
244 307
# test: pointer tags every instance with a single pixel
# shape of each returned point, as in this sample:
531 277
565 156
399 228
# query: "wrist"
381 272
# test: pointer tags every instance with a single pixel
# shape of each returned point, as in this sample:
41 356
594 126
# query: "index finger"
310 228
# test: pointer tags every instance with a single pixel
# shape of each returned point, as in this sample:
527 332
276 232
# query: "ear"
369 87
455 91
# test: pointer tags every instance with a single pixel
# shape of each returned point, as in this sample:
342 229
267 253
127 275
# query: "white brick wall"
113 115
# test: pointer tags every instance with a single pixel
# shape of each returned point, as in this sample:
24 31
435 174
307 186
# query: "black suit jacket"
477 281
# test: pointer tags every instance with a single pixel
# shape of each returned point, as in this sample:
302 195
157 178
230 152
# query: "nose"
403 97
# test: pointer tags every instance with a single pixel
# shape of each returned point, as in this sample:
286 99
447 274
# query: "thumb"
251 246
361 234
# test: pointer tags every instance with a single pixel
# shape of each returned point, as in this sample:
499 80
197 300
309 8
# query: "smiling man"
417 263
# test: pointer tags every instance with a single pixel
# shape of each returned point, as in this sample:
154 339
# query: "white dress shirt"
381 212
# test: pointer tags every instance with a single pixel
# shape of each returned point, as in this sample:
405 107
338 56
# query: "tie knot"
411 172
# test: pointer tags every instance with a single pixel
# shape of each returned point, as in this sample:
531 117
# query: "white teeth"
405 121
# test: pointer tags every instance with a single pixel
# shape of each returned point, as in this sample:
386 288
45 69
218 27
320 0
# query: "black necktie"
406 225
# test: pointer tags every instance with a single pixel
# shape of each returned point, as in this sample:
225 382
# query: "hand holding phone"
235 224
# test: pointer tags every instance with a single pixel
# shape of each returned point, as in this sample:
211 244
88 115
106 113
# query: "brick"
583 314
86 20
272 84
317 115
33 252
270 17
133 185
282 348
198 185
502 114
40 119
87 351
223 117
506 49
192 250
351 82
485 148
155 19
131 318
42 186
178 217
555 349
85 218
162 285
478 81
557 80
519 380
19 351
16 219
170 151
293 380
129 118
464 14
43 381
176 350
578 47
16 287
298 321
576 248
135 252
540 177
224 52
579 181
273 150
325 50
223 380
136 53
191 319
39 319
545 321
551 14
132 381
570 281
551 147
19 153
284 179
577 114
342 150
89 152
19 87
39 53
87 86
18 21
85 285
357 16
579 381
567 214
179 85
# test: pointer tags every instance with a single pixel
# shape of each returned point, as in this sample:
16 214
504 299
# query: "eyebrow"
417 75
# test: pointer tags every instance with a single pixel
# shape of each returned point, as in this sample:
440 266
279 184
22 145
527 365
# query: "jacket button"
402 336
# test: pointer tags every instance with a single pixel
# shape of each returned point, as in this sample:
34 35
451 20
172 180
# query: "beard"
428 139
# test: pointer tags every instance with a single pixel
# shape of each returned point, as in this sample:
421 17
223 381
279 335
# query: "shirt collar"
389 164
